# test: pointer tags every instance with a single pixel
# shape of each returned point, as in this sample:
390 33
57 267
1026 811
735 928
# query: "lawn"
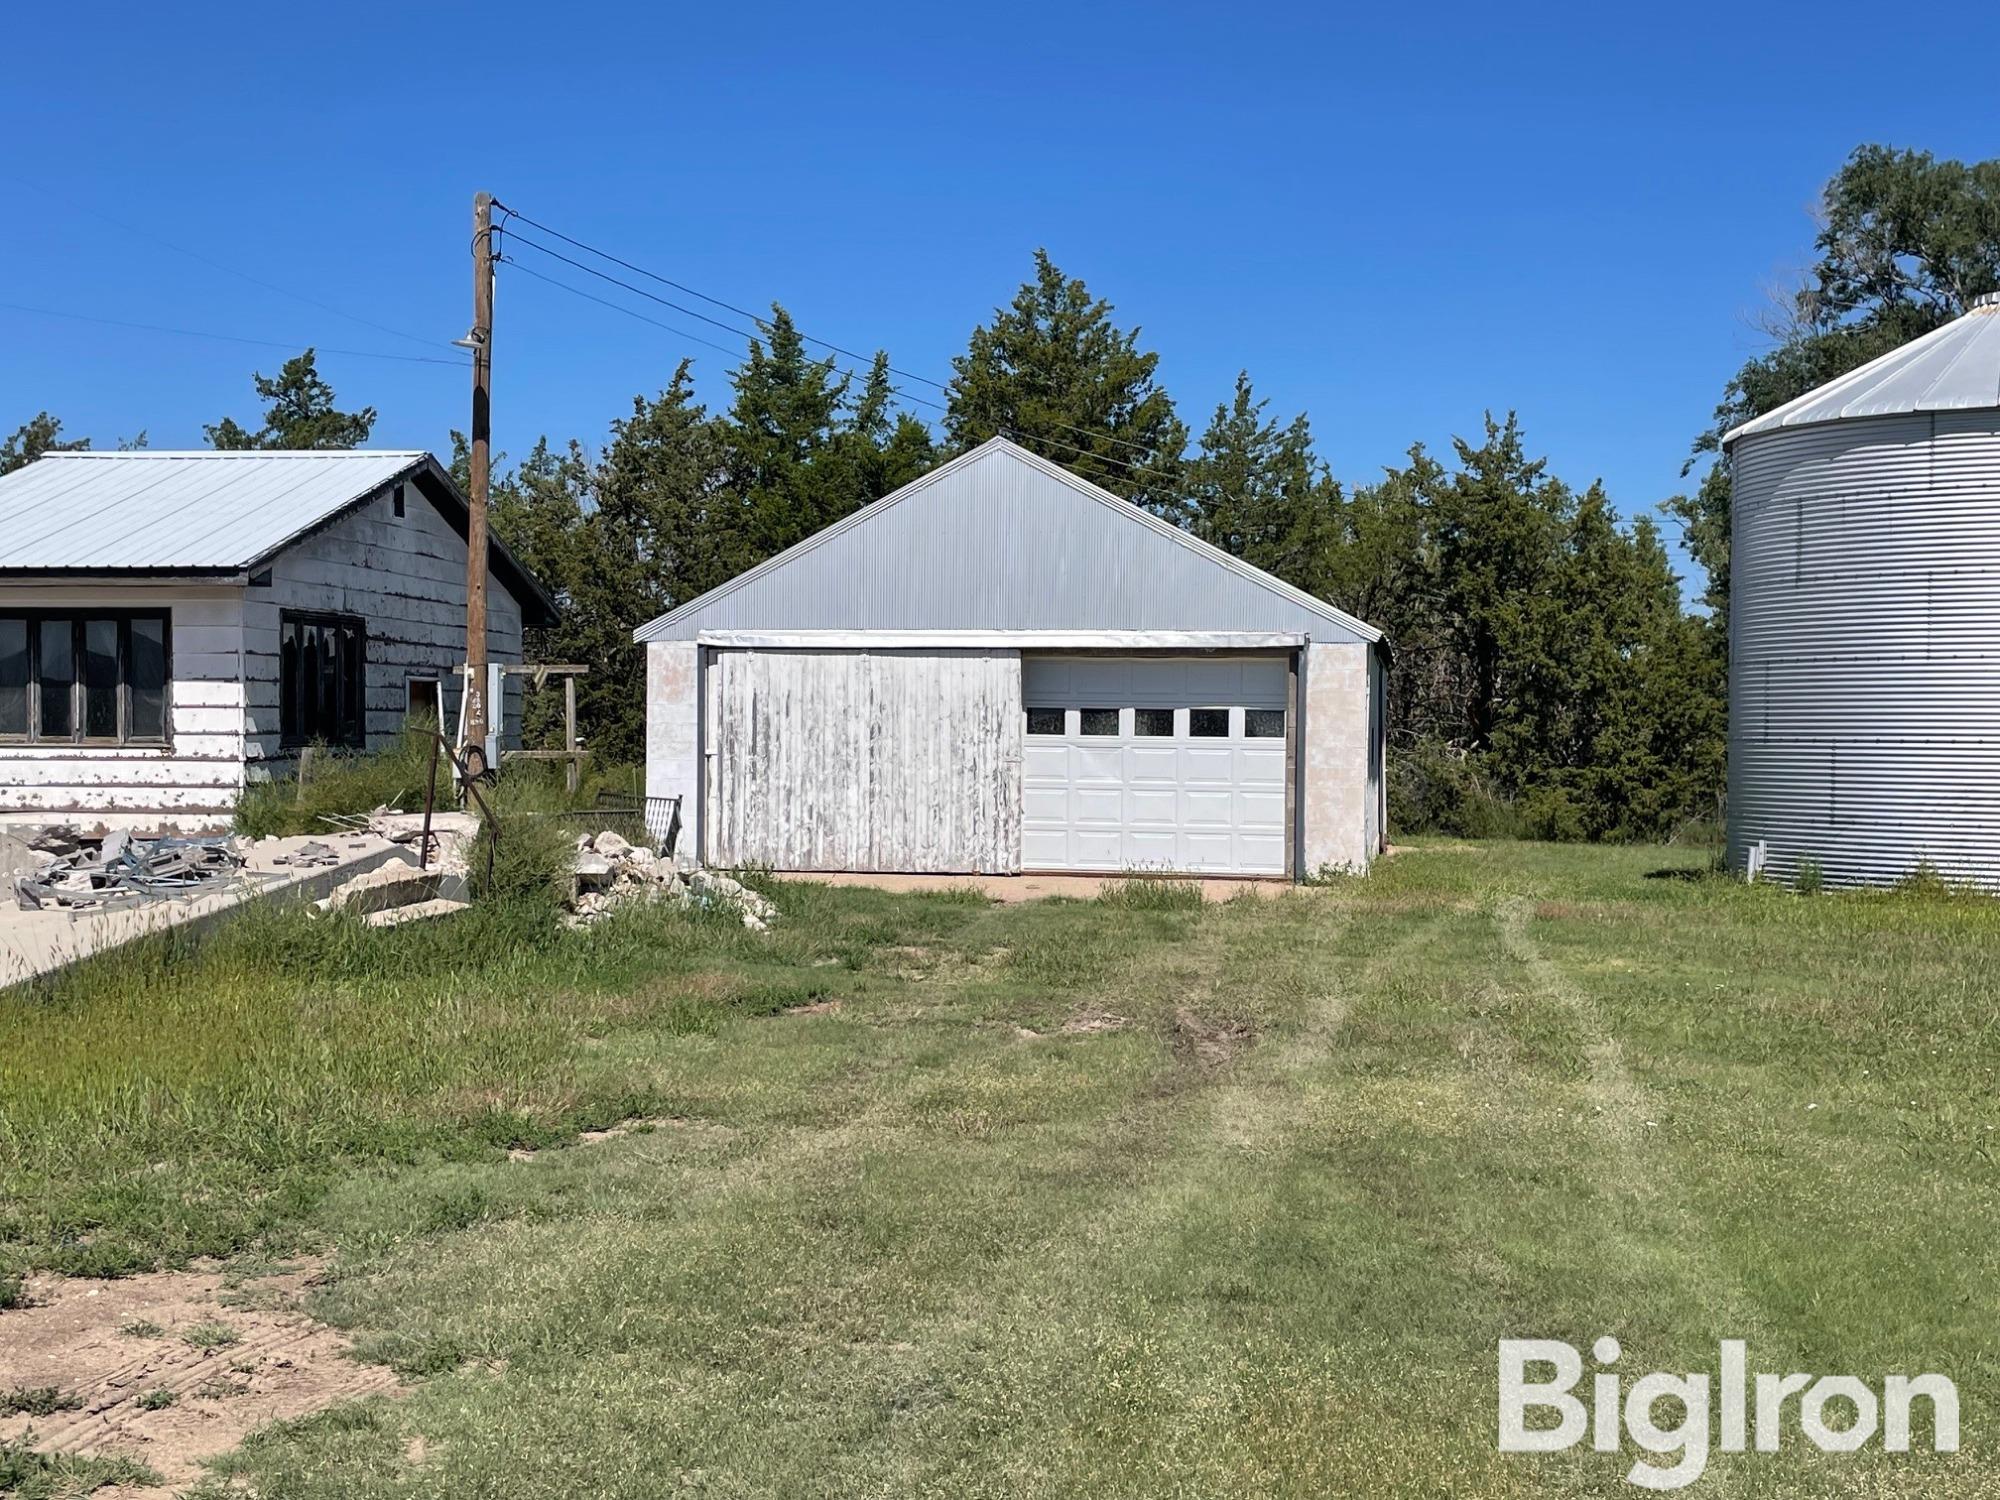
1119 1198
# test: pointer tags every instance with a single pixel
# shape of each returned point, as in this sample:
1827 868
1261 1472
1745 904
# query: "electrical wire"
233 338
229 270
1135 470
761 322
615 306
742 312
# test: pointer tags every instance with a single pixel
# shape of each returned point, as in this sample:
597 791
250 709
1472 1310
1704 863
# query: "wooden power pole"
480 470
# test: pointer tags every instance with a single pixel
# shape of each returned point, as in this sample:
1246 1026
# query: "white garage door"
1151 763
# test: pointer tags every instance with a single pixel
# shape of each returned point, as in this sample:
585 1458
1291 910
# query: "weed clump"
28 1475
38 1401
1139 894
341 783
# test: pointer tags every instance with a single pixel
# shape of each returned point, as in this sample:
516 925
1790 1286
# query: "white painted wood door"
1155 763
856 760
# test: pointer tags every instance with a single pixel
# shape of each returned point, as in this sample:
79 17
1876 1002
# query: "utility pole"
480 467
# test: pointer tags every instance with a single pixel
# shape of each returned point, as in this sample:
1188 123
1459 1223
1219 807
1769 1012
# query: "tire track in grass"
1650 1220
1090 1264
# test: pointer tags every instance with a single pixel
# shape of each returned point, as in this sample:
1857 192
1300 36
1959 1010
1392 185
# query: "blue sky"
1394 220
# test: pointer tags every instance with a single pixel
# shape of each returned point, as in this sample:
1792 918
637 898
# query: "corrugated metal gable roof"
1018 577
197 511
1953 368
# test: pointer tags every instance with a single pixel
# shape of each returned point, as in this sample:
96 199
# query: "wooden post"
430 802
575 778
480 473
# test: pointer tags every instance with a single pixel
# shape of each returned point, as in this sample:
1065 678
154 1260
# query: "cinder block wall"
1335 759
673 733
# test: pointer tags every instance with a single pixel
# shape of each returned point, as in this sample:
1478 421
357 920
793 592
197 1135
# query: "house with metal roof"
1002 668
175 624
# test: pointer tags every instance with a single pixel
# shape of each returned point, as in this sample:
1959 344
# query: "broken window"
96 677
321 680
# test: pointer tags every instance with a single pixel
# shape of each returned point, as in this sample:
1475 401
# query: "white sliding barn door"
882 761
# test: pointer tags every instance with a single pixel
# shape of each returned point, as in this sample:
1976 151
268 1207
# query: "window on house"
426 701
92 677
321 679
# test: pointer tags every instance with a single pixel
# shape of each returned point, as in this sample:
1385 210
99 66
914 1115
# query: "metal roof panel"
1953 368
199 511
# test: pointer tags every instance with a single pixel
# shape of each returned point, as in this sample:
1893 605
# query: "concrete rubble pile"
611 871
79 873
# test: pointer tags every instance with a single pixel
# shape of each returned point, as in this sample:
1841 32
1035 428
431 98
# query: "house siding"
405 576
194 780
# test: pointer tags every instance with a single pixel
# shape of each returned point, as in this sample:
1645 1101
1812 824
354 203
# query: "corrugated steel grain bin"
1864 676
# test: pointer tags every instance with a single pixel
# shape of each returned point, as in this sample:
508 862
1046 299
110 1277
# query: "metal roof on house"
1003 539
207 512
199 511
1953 368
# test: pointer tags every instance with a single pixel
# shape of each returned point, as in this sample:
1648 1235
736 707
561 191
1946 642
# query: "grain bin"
1864 674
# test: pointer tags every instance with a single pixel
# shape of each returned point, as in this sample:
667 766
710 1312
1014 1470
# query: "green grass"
1106 1198
38 1401
28 1475
210 1336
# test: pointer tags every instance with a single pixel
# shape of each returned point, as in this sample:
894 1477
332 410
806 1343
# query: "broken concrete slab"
39 942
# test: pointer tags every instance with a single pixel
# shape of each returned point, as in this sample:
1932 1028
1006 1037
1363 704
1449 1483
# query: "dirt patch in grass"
1089 1022
114 1346
637 1125
816 1008
1209 1041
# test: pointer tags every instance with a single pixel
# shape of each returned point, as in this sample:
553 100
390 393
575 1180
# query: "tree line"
1546 677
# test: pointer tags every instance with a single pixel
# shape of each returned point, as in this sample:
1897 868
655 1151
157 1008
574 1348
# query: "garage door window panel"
1097 721
1263 723
1153 723
1208 723
1045 720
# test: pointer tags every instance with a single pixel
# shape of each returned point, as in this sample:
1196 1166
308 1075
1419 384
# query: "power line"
233 338
1129 466
850 373
763 323
742 312
526 270
269 286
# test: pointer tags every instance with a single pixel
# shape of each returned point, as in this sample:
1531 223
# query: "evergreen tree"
1495 525
805 447
1053 372
1257 490
300 414
40 434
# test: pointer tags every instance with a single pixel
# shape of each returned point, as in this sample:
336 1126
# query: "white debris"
610 871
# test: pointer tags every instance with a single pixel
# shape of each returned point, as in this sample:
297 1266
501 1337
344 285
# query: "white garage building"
1002 668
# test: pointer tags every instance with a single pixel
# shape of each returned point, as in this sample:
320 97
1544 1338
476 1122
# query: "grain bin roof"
1953 368
204 512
